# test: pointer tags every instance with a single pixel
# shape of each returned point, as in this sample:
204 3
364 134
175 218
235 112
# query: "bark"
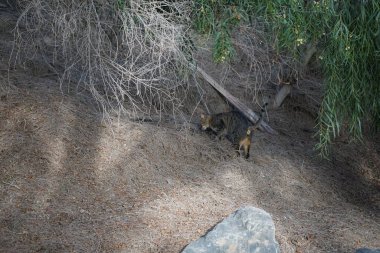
281 95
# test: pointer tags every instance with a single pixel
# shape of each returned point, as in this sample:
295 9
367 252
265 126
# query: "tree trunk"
281 95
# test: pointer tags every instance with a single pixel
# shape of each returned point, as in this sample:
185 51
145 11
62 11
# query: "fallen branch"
252 116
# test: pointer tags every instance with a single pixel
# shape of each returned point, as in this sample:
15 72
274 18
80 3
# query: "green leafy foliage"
351 65
218 18
347 34
121 4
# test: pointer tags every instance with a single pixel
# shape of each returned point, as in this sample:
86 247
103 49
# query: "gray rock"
248 230
365 250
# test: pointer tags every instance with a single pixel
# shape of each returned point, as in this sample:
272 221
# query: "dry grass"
72 183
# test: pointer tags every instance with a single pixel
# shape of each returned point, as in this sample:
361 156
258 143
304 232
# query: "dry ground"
70 182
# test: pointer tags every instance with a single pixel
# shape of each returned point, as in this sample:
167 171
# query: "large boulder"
365 250
248 230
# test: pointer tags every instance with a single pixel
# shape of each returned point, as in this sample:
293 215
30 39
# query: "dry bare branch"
132 56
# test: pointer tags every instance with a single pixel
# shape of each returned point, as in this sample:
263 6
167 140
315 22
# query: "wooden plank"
252 116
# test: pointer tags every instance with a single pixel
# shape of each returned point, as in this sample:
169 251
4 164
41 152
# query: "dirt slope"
70 182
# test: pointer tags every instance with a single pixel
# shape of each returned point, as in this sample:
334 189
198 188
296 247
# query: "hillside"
71 181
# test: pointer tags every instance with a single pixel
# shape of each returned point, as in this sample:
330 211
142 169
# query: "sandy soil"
71 182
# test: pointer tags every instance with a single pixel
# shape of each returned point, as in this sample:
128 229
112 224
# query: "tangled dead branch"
129 54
